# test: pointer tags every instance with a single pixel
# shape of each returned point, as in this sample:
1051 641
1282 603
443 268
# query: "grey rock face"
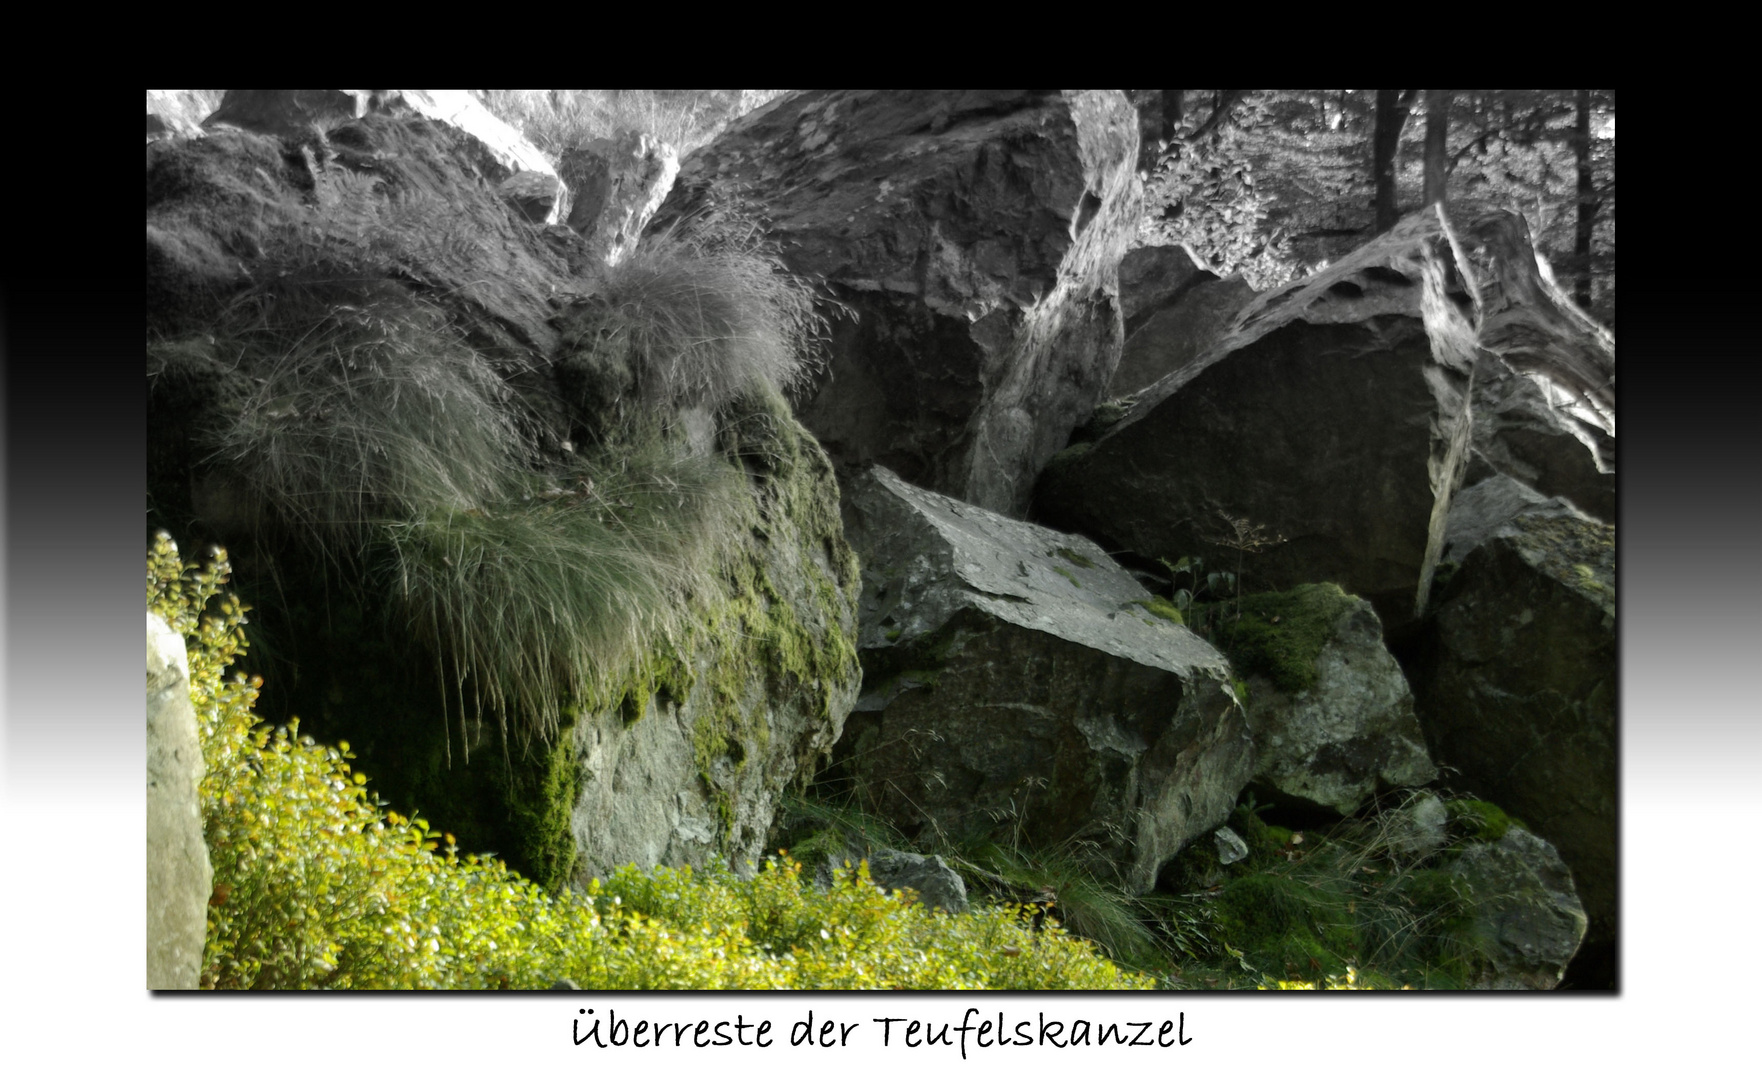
1337 414
1179 332
936 883
976 237
1153 277
1527 919
618 185
1334 744
697 781
179 875
1516 686
1524 435
1016 688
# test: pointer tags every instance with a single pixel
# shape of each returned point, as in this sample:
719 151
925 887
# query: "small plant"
1244 537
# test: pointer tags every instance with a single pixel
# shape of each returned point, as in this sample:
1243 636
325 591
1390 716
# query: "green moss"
1279 635
1076 559
1479 820
1162 609
1068 576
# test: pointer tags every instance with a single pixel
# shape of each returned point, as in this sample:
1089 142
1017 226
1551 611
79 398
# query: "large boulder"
1179 332
1515 678
380 387
178 112
1526 922
1019 686
617 185
179 875
1335 417
1154 276
1524 432
1329 707
972 239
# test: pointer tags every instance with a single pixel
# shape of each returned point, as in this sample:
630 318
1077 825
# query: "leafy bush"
316 886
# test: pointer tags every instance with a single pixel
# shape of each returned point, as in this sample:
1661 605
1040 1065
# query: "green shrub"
315 885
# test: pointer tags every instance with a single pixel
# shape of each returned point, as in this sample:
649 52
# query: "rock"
1336 415
1521 433
502 151
1417 828
179 876
1527 921
1330 709
1153 277
390 237
178 112
1231 848
565 984
974 238
1018 687
1179 332
1484 508
618 183
935 882
1515 683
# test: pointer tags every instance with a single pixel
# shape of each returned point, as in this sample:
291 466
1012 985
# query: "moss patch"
1076 559
1162 609
1280 635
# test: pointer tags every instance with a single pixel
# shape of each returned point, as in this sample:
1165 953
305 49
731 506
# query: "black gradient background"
73 955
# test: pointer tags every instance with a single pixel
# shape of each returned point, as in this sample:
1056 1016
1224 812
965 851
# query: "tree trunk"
1588 204
1392 110
1437 126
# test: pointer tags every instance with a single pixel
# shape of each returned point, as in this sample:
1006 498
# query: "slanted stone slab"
975 236
1018 686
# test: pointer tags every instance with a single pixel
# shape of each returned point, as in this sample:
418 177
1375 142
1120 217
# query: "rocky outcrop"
1515 680
1019 685
364 303
973 238
617 186
179 876
1336 415
937 884
1526 922
1330 709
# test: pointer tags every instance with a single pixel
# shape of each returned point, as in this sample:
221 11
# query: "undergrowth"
316 885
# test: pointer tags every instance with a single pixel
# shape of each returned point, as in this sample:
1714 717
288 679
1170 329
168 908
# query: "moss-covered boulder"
1329 707
1515 684
539 537
1021 688
1527 922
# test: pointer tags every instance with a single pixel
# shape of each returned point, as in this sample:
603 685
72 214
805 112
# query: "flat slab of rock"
1179 332
976 236
1017 688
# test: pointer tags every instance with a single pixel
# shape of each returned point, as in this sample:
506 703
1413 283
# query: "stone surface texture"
618 184
1337 413
1516 686
1352 733
1179 332
1527 919
179 876
974 239
1016 687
